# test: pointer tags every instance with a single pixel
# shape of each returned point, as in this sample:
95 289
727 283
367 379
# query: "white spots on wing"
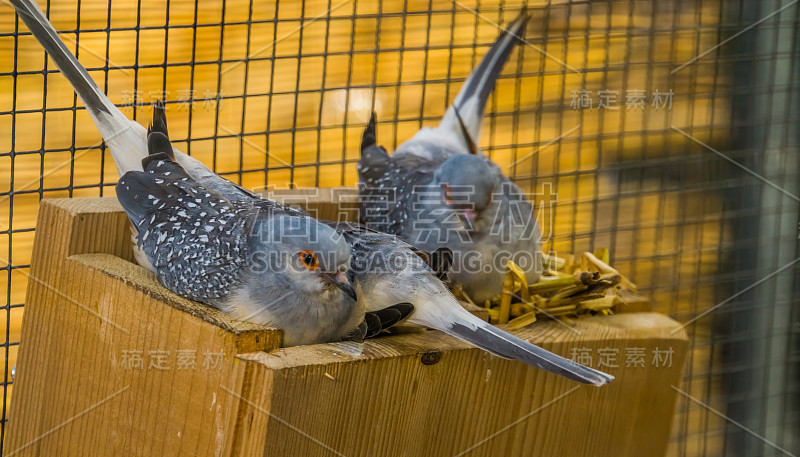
196 241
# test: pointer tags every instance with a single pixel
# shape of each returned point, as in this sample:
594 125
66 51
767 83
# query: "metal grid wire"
685 165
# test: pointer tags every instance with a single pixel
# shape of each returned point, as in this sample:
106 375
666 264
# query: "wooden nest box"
111 363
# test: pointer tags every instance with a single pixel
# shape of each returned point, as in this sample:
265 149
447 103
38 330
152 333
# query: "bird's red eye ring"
309 260
446 192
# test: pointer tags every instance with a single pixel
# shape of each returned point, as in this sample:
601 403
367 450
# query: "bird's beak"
340 280
469 215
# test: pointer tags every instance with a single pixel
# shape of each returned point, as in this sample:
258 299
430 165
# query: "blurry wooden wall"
282 91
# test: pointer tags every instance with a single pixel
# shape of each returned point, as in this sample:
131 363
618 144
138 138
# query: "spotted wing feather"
195 240
390 187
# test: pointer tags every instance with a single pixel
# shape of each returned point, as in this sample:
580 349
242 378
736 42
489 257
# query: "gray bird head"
467 183
301 256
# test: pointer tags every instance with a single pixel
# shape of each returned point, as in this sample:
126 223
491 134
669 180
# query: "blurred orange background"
282 93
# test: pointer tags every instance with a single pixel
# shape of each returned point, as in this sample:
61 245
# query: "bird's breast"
330 317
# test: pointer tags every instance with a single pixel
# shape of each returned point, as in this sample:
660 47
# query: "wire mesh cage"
664 131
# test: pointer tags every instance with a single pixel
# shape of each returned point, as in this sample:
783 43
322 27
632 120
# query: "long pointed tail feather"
465 326
125 139
471 100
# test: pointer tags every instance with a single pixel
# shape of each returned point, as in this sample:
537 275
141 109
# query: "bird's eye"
309 260
446 192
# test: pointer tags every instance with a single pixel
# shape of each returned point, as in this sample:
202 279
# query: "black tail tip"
157 134
159 121
157 143
369 138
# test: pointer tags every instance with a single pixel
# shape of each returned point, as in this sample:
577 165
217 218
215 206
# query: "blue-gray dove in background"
437 189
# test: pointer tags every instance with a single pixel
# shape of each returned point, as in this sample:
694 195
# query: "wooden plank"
90 310
88 313
381 399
